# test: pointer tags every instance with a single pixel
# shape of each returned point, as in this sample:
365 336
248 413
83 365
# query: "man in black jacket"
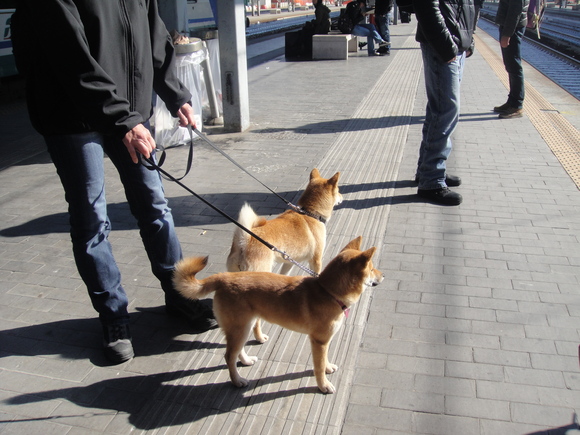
512 17
89 90
445 31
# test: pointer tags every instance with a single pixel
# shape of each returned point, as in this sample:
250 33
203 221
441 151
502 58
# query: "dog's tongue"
346 312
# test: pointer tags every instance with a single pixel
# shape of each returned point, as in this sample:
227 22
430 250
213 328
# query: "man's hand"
185 115
504 41
139 140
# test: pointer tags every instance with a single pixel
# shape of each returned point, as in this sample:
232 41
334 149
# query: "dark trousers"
512 60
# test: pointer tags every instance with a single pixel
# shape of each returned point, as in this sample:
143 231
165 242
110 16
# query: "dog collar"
344 308
310 214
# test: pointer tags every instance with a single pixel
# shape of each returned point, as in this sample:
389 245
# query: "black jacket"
511 14
354 11
93 65
446 25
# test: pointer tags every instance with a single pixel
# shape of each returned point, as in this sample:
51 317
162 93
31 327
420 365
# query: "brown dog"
308 305
301 236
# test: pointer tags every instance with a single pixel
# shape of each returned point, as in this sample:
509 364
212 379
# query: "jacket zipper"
130 56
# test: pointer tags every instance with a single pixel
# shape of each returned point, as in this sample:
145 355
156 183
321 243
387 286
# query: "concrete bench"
335 46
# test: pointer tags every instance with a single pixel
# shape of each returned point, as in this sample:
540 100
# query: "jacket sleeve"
512 17
165 81
433 28
87 86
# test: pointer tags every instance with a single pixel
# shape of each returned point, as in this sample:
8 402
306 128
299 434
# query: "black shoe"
442 196
502 108
450 180
374 53
117 343
384 50
198 313
512 112
362 45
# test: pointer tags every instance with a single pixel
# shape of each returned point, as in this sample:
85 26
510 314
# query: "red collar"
342 306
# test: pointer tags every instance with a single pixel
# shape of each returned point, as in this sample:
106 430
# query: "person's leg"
146 198
382 22
79 163
442 82
512 60
78 160
363 30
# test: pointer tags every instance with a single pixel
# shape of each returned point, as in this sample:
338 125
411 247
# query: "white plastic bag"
167 129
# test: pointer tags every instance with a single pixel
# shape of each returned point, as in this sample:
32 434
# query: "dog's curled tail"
248 219
184 279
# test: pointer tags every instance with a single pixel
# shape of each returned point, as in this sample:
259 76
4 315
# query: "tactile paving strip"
561 136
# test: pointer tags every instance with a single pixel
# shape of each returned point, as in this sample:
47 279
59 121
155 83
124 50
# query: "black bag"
345 24
405 6
405 17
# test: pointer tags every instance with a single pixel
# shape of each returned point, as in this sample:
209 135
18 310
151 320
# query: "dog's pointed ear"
334 180
354 244
368 254
314 174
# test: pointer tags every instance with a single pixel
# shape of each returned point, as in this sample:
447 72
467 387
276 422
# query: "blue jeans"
370 32
442 82
383 26
512 60
79 161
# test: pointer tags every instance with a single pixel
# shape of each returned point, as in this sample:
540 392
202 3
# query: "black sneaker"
442 196
198 313
450 180
384 50
117 343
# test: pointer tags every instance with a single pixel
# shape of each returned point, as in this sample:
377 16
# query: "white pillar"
234 65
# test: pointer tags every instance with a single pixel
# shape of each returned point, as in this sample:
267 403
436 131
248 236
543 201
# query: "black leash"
288 203
164 154
286 257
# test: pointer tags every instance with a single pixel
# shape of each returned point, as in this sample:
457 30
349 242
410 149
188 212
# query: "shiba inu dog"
300 235
310 305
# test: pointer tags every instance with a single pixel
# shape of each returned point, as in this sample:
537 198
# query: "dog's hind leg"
236 336
321 365
258 335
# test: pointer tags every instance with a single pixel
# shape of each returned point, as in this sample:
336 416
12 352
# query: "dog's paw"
327 388
263 338
240 382
249 360
331 368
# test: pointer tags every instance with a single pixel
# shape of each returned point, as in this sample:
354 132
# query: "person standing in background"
512 17
445 33
382 9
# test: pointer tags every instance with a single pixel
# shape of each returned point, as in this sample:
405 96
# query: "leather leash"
286 257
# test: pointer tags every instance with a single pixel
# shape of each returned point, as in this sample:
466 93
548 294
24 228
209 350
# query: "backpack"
536 11
345 22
